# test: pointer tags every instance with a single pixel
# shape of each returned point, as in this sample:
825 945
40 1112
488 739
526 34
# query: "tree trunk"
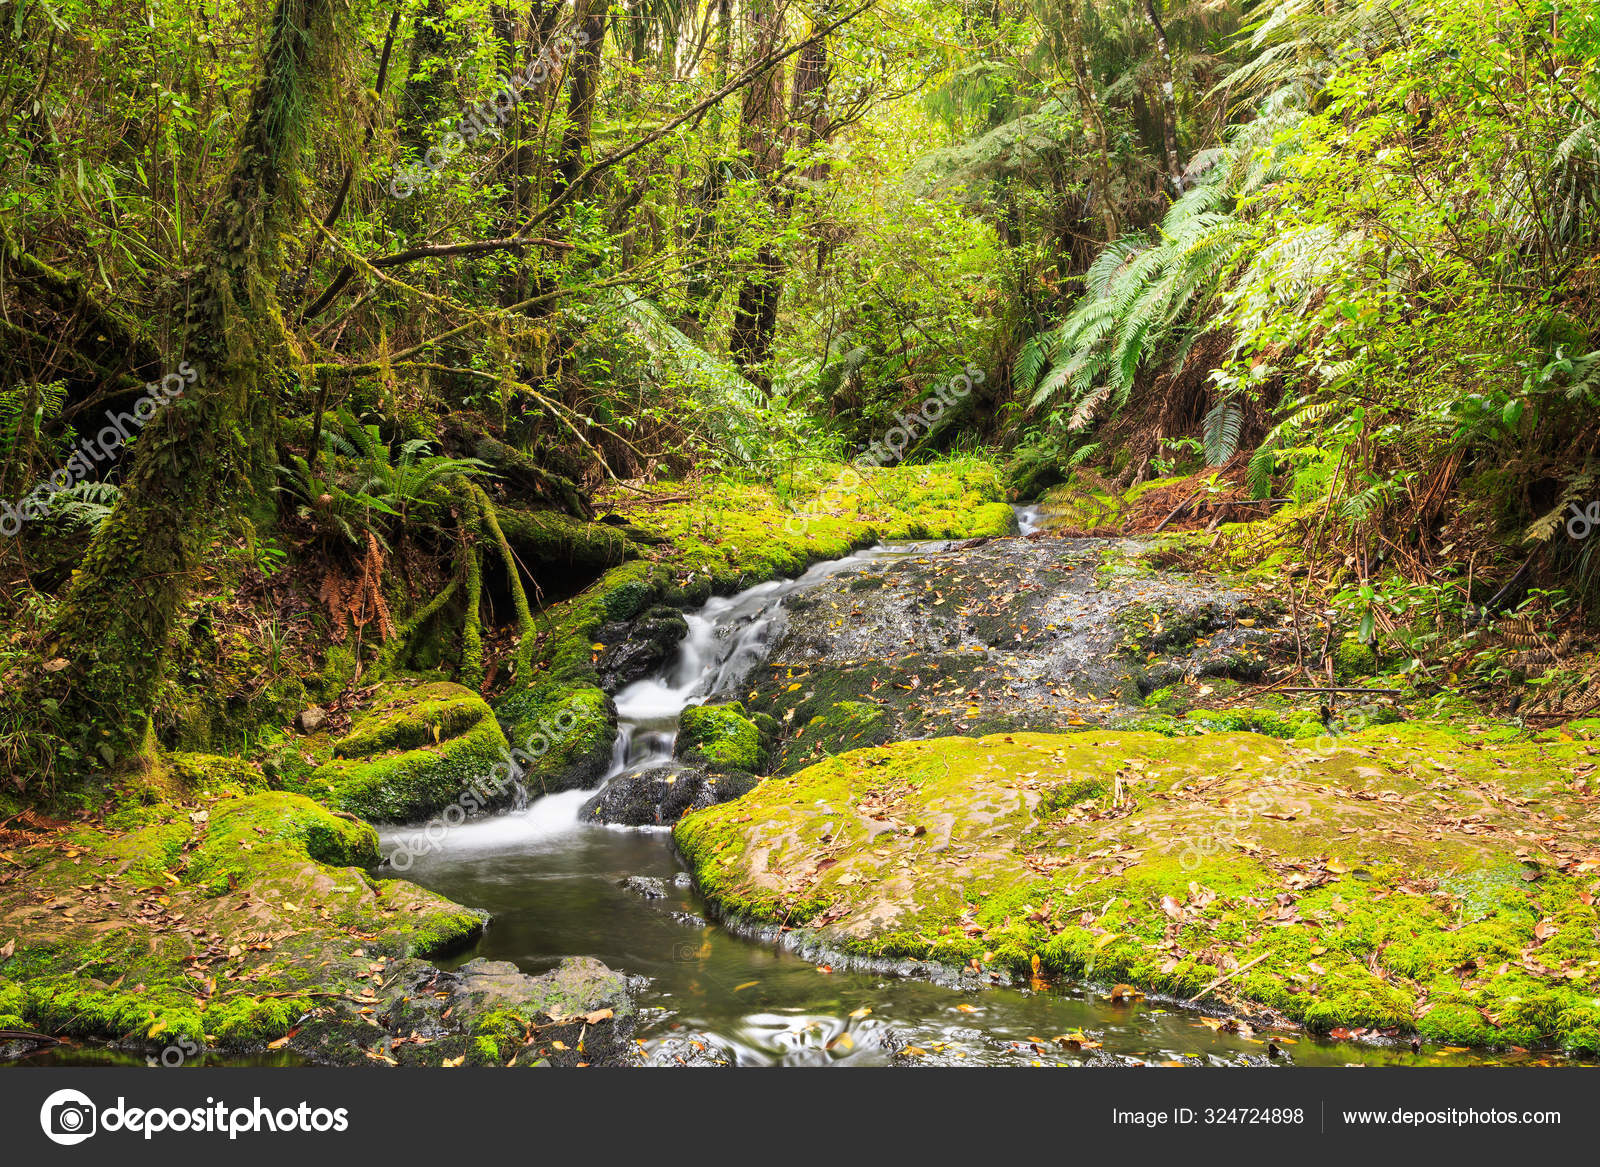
1169 101
580 98
430 87
115 622
761 140
1089 102
697 266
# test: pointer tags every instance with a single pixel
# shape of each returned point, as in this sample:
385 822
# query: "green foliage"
364 479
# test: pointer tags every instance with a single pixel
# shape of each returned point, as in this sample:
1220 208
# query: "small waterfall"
727 637
1030 518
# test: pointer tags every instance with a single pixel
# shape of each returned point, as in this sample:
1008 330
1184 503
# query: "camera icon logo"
68 1117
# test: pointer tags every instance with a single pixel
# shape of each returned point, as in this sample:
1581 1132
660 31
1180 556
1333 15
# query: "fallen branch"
1174 512
1335 689
1227 976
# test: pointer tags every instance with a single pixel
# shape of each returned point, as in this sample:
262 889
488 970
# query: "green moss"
1285 723
242 833
213 773
1358 882
721 737
562 734
416 751
408 717
1352 659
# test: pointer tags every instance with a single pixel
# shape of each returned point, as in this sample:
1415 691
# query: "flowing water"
554 886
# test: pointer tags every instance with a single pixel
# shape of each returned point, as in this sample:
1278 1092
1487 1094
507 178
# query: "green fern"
82 506
1221 430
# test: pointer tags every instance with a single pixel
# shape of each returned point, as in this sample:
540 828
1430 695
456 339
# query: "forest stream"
710 994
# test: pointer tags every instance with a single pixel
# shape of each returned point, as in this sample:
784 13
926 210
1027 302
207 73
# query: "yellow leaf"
858 1014
452 1063
1104 940
746 985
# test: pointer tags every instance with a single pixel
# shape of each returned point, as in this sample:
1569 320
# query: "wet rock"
661 795
636 648
720 738
647 886
487 1012
1004 635
687 1050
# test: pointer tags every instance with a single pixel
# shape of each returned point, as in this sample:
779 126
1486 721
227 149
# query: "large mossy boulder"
720 738
416 750
1406 877
561 735
228 922
243 833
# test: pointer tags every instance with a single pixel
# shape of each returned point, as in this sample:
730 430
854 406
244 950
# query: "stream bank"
901 879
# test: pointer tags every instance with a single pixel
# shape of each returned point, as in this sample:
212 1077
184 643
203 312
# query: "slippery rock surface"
1014 633
660 795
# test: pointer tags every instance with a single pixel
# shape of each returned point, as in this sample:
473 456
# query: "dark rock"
647 886
662 795
637 648
481 1014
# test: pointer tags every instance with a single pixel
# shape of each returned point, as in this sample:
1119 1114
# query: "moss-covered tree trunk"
194 454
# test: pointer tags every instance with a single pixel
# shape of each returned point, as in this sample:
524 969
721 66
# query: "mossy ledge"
413 752
1407 879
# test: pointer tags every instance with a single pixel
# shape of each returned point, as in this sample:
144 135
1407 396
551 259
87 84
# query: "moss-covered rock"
717 536
1353 659
417 749
1286 723
1404 877
720 737
562 735
240 831
218 923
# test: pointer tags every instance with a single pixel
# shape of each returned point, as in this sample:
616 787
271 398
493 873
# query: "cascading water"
554 884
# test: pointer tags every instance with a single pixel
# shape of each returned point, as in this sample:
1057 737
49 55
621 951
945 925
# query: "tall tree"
198 451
